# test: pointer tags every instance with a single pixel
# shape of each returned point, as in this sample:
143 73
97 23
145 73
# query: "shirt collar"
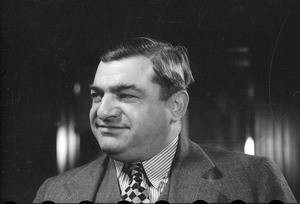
157 167
119 166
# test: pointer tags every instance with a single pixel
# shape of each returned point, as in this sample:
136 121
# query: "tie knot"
134 169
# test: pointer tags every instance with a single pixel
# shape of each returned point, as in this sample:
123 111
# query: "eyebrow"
118 88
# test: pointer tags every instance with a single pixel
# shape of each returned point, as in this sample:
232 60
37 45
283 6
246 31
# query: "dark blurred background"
244 57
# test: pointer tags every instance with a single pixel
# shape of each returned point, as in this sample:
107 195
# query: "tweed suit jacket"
196 174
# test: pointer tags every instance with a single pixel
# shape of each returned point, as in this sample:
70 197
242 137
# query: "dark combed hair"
170 63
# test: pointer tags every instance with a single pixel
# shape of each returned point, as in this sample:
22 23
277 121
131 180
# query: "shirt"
157 171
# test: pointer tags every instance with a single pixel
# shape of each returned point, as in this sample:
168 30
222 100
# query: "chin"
110 148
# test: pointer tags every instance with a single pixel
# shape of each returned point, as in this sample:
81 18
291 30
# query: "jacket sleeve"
271 184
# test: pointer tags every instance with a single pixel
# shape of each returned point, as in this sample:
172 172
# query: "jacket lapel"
84 185
109 191
193 176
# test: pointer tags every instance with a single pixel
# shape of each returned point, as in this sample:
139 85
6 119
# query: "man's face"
127 117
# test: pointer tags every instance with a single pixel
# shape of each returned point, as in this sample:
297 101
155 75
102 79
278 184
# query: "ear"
178 104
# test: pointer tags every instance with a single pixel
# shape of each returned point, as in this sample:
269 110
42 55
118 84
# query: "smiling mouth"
111 127
110 130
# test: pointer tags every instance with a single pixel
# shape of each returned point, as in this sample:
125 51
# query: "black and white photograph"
140 101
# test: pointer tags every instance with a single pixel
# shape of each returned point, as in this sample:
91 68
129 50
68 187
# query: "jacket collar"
110 191
193 176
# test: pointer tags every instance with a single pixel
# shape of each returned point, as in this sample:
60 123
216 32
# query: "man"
139 96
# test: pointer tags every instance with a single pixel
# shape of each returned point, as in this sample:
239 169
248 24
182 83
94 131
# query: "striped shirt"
157 171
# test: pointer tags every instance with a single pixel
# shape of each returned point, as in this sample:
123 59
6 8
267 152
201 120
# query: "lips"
111 130
111 127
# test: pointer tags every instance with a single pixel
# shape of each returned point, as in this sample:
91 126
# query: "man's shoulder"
242 167
87 168
57 188
225 155
222 158
242 176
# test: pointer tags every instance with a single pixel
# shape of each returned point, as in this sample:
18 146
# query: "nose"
108 109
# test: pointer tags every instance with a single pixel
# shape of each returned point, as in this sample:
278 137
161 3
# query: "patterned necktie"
136 192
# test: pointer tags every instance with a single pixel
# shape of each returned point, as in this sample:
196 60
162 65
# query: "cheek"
93 113
154 119
146 117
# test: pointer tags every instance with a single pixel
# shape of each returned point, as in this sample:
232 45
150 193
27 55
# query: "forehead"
133 70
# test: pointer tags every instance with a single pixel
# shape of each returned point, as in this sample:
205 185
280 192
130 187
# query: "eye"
123 95
96 97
